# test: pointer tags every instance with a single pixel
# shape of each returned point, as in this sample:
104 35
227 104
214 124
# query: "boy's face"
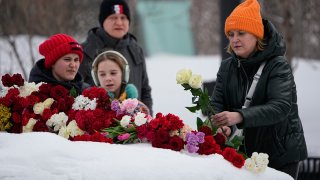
66 67
116 25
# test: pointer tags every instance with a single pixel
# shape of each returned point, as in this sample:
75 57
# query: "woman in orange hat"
267 113
62 58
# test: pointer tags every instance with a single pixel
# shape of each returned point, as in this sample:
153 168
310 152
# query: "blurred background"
182 27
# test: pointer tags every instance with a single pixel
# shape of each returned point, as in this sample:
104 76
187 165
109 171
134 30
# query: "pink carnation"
123 137
129 105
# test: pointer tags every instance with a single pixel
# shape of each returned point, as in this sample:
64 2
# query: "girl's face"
66 67
242 43
116 25
110 76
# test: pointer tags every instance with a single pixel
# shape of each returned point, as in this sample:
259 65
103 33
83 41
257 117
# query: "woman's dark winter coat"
271 124
98 40
40 74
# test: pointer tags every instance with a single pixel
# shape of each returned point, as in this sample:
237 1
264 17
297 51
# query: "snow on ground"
38 156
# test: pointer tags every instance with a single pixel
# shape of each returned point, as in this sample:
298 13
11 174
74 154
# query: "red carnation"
45 88
228 153
176 143
175 122
32 100
209 146
84 137
6 80
206 130
142 131
18 80
162 136
232 156
58 92
238 160
220 139
40 126
16 117
98 137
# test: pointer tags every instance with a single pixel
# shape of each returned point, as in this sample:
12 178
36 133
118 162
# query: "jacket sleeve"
274 94
146 97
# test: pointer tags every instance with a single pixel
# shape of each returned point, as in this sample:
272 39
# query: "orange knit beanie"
246 17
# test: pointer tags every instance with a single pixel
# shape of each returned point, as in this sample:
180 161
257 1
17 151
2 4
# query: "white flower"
125 121
73 129
63 131
85 103
91 105
57 121
249 164
28 88
257 163
254 156
38 108
140 119
259 169
48 102
29 126
183 76
195 81
262 159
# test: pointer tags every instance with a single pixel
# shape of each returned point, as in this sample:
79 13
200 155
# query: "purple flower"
193 141
191 137
115 105
192 148
200 136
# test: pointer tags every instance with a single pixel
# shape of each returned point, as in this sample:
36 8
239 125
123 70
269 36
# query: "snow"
39 155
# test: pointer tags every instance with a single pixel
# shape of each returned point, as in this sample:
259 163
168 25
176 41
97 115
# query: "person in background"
114 19
110 70
60 65
271 124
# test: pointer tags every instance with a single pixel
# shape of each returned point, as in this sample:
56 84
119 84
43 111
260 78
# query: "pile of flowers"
95 116
229 147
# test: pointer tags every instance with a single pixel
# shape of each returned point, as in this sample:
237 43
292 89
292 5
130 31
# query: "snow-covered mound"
39 156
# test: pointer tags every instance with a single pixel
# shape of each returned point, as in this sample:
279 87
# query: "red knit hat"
246 17
57 46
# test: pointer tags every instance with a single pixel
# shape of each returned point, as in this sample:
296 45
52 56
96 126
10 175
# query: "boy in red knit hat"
62 58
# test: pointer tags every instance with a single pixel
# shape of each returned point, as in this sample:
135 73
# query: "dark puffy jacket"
98 39
40 74
271 124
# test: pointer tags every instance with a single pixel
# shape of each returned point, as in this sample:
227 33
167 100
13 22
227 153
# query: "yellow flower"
5 115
